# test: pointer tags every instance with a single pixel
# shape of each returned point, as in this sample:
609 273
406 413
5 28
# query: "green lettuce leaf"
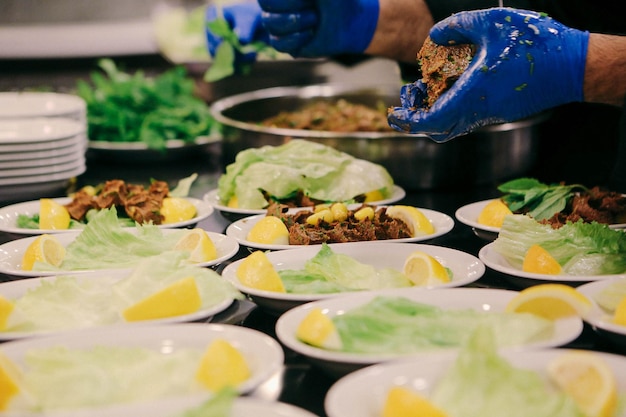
320 171
402 326
483 384
580 248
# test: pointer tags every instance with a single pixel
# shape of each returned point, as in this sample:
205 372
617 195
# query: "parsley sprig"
541 201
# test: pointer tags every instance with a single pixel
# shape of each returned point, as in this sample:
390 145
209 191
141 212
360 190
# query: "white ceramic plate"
18 148
212 198
9 215
469 213
41 129
74 148
50 169
465 268
262 353
11 253
12 290
240 229
363 393
39 104
498 263
18 182
599 318
75 155
339 363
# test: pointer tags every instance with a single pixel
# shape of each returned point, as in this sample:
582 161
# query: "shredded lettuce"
481 383
219 405
320 171
610 296
67 302
60 378
402 326
580 248
329 272
103 243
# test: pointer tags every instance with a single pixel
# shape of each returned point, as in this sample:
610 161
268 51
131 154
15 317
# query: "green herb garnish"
541 201
123 107
224 62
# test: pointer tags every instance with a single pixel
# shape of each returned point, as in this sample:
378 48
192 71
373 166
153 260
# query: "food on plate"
333 116
580 248
269 230
441 66
256 271
397 325
610 296
557 204
619 317
588 380
160 287
123 107
217 405
52 215
222 365
155 204
317 329
423 269
493 213
45 249
104 244
330 272
401 401
539 261
301 170
59 378
551 301
361 223
481 382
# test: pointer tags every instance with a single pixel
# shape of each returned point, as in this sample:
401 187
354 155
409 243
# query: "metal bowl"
414 161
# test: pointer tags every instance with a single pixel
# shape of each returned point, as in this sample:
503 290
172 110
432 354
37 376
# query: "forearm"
402 28
605 71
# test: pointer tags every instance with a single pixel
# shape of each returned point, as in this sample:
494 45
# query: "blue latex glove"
317 28
244 19
525 63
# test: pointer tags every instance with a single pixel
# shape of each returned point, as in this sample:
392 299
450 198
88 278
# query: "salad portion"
301 170
163 288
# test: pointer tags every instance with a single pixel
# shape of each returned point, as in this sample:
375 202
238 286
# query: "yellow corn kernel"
316 218
320 207
340 211
364 213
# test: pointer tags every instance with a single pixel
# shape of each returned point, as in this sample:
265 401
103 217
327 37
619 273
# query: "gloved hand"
245 21
525 63
317 28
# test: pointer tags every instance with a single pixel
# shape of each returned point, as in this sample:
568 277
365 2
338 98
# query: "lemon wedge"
181 297
317 329
423 269
198 243
233 202
45 248
9 386
52 215
415 220
586 378
551 301
375 195
539 261
269 230
256 271
493 213
222 365
176 209
403 402
6 308
619 315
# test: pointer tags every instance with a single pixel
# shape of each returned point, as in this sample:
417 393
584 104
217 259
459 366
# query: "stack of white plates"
43 140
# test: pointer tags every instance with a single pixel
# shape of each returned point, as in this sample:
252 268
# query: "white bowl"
465 268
